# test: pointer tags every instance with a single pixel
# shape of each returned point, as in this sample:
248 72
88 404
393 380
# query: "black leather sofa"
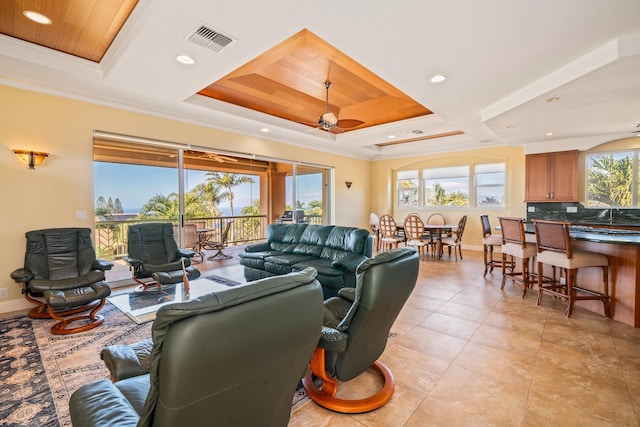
334 251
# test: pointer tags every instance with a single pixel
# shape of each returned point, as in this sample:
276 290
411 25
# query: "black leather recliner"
356 328
62 276
228 358
153 253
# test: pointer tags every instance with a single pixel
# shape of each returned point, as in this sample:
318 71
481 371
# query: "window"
446 186
478 185
407 188
612 179
489 182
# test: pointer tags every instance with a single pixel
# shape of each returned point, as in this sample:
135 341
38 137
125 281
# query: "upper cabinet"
552 177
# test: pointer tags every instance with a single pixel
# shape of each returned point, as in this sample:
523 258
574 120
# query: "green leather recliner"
356 327
228 358
152 252
62 277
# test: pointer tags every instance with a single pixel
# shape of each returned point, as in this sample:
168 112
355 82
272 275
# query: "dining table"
436 230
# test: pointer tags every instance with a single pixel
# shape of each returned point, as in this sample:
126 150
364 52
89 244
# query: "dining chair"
555 249
414 232
515 244
435 235
389 232
455 240
374 224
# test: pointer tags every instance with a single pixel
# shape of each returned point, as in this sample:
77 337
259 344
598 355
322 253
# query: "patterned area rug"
39 371
42 370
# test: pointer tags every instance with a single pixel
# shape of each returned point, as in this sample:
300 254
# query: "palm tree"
228 181
212 194
442 198
609 181
167 207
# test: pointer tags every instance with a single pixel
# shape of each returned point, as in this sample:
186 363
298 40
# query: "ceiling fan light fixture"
330 119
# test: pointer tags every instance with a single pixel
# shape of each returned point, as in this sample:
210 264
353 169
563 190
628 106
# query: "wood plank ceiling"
83 28
288 81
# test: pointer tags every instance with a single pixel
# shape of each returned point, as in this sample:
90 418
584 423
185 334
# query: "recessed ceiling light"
553 99
185 59
438 78
485 140
510 127
391 137
265 130
37 17
549 133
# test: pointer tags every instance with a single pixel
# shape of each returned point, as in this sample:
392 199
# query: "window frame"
472 186
635 178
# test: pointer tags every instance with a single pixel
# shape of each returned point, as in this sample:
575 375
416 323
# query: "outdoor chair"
220 245
357 324
191 239
153 253
62 276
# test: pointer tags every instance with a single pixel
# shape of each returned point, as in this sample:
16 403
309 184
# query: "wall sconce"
348 184
31 158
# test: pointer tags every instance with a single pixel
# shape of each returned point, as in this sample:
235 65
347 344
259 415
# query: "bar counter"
622 246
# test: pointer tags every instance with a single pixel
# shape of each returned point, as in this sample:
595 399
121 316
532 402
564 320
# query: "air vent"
208 37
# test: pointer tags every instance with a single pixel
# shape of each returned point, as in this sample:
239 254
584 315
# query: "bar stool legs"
555 249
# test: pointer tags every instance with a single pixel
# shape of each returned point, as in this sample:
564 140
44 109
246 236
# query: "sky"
134 185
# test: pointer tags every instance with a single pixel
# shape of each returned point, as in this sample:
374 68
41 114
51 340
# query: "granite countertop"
593 233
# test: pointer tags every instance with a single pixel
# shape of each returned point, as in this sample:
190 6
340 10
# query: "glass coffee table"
141 306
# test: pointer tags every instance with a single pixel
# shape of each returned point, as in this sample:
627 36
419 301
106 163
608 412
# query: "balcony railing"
111 236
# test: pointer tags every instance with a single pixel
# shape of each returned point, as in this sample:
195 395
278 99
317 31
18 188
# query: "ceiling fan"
210 155
220 158
329 122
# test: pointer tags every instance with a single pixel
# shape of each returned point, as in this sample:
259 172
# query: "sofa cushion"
285 237
313 240
344 241
282 263
323 266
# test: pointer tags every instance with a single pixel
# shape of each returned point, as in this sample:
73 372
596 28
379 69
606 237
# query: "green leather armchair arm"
186 253
22 275
134 262
126 361
103 404
101 264
349 263
258 247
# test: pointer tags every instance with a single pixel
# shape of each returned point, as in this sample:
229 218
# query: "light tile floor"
466 353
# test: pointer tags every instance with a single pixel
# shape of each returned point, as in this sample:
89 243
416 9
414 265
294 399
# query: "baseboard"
16 306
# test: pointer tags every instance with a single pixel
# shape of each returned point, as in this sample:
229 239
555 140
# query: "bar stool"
554 248
514 243
488 242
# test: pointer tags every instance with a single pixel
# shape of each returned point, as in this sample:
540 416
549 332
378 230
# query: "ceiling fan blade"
349 123
336 130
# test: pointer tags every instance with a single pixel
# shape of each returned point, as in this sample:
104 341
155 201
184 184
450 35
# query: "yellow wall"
383 193
50 195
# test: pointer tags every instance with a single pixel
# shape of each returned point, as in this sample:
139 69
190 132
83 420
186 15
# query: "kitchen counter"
594 233
622 247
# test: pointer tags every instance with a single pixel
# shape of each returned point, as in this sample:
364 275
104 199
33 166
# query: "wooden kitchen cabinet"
552 177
